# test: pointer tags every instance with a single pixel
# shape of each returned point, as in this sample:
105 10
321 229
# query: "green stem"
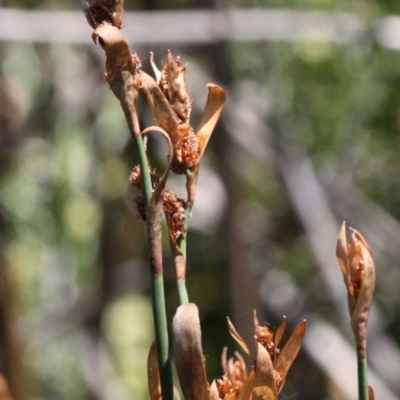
362 369
161 331
183 241
144 169
181 279
157 280
182 291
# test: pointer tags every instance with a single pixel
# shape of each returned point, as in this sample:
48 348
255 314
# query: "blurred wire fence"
201 27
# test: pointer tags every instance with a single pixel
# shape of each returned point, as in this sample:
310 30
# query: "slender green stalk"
183 241
181 258
161 332
362 370
156 268
179 255
144 169
122 76
182 291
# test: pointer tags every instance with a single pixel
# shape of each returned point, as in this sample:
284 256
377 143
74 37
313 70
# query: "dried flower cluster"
170 105
174 209
171 81
265 379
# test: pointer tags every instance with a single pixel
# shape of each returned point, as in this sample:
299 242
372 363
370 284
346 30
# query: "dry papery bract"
358 269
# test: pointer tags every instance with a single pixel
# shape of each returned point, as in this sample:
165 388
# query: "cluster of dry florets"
171 80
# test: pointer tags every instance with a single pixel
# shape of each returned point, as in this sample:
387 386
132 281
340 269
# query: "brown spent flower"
234 369
358 269
175 212
225 387
99 11
271 365
170 105
171 81
264 381
135 178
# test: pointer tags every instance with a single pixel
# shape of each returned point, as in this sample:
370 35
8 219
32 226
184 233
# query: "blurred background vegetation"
309 138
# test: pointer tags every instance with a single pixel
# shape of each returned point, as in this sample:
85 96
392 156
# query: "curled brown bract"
358 269
155 209
153 373
212 111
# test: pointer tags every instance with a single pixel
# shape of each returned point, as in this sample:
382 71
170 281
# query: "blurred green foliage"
73 249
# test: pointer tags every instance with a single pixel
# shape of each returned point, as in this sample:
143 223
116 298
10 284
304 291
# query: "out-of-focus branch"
313 209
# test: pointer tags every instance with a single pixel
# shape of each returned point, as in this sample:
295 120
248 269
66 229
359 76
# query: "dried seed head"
173 85
190 149
135 178
265 337
175 212
140 207
100 11
225 387
137 62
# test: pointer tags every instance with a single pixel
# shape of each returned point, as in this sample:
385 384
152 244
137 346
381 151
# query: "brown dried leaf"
188 353
280 331
371 394
264 387
153 373
237 337
121 71
290 351
215 102
116 47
